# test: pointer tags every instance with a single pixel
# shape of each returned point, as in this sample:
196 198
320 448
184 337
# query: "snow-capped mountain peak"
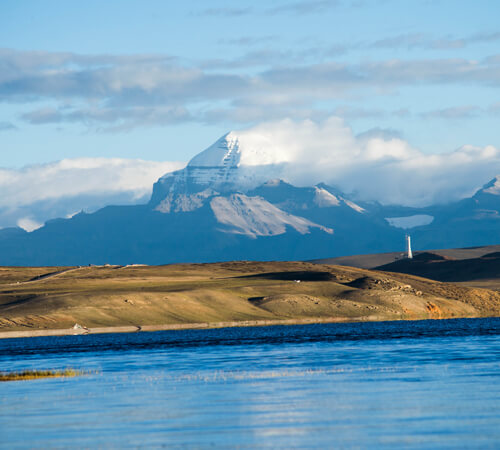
225 152
219 167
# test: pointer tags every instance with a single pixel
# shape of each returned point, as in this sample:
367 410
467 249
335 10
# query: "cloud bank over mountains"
376 165
34 194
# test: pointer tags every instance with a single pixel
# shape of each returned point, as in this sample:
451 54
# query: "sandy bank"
180 326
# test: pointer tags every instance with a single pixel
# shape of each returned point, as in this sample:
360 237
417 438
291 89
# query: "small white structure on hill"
409 254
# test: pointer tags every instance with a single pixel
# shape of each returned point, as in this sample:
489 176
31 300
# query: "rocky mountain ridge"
230 203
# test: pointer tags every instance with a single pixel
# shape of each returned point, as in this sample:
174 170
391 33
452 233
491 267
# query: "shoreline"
168 327
203 326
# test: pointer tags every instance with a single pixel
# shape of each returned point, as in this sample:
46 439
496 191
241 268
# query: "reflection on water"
392 384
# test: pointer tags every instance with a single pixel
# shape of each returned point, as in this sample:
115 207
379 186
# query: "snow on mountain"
245 196
225 152
324 199
254 216
230 165
354 206
184 202
408 222
219 167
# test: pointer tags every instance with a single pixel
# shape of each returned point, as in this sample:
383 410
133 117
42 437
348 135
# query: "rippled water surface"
389 384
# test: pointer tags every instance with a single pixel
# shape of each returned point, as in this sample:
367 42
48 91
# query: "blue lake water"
426 384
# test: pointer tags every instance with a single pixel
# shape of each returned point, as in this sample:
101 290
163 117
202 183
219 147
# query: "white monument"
409 254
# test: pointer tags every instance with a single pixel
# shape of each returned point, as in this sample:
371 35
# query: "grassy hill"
233 293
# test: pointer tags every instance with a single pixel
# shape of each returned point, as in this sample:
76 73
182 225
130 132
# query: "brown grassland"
51 300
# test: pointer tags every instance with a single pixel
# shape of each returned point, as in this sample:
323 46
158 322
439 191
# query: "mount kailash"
230 203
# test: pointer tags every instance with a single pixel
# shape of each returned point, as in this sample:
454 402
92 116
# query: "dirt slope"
226 292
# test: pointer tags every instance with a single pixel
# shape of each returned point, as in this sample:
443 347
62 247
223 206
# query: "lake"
386 384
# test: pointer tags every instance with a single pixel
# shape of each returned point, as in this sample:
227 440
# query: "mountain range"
231 203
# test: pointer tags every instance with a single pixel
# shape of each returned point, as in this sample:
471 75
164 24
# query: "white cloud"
115 93
34 194
80 176
376 167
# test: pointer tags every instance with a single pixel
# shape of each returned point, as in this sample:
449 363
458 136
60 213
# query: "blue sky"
161 80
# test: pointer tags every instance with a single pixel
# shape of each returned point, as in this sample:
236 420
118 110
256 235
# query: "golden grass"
231 292
37 374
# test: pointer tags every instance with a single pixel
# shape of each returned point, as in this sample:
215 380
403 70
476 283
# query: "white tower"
409 254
